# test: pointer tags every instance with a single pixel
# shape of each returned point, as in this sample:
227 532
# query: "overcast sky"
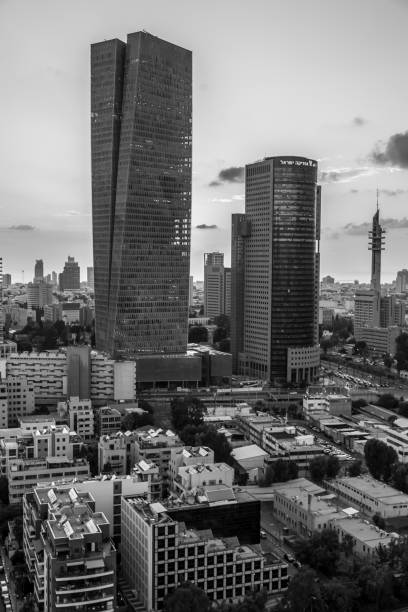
319 78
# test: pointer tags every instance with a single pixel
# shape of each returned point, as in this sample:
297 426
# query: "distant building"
81 417
79 372
39 271
6 280
213 284
191 291
328 280
68 550
227 292
112 453
401 283
189 455
108 421
392 311
69 279
380 339
39 294
366 311
90 277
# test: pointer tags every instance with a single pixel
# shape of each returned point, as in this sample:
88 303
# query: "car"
263 535
288 558
297 564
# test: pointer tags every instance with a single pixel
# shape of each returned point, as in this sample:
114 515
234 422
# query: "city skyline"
336 101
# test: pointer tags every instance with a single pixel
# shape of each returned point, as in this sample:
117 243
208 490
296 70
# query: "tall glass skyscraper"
275 272
141 107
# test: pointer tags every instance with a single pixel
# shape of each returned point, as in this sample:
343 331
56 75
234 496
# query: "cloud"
221 200
393 153
359 121
353 190
240 198
205 226
361 229
23 227
343 175
392 192
234 174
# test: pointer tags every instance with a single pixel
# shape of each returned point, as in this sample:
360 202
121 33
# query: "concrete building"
193 478
53 312
163 546
381 339
401 283
366 537
250 459
7 347
112 453
286 442
370 496
157 445
69 279
46 372
68 551
366 311
90 277
108 420
141 302
39 294
21 399
3 405
81 417
333 404
70 312
6 280
277 258
214 289
79 372
189 455
227 292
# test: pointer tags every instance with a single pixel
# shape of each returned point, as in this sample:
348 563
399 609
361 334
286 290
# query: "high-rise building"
38 270
191 291
275 272
213 284
141 99
6 280
90 277
401 283
227 291
69 279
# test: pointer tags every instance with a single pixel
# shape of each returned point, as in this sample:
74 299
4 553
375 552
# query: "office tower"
68 550
90 277
38 270
275 272
2 313
213 284
227 291
54 278
401 283
141 193
79 372
199 540
39 294
69 279
191 291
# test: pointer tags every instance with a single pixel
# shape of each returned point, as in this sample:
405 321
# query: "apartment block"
69 551
81 417
112 453
108 421
189 455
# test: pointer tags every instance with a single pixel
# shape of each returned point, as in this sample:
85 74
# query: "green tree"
187 598
378 520
388 401
403 409
401 354
133 420
359 403
379 458
332 467
304 593
399 478
252 602
317 468
197 334
355 468
186 411
321 551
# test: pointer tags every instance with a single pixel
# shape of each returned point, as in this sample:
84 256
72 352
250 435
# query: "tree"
304 593
90 453
400 477
379 459
401 354
186 411
403 409
332 467
197 334
321 551
252 602
359 403
388 401
133 420
355 468
361 348
388 360
317 468
4 490
187 598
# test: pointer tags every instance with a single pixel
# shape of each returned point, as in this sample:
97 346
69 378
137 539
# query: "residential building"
370 496
380 339
192 478
141 194
79 372
6 280
7 347
53 312
3 405
401 283
70 312
69 279
46 372
227 292
365 537
81 417
157 445
214 292
189 455
276 250
160 549
21 399
112 453
286 442
108 421
68 550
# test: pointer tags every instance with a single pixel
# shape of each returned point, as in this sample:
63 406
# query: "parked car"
297 564
263 535
288 558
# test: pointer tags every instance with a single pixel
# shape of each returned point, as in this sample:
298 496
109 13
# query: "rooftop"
373 488
364 531
248 452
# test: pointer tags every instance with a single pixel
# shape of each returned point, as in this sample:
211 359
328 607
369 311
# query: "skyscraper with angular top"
141 110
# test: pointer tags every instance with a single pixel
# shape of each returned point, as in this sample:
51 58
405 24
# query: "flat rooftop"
373 488
364 531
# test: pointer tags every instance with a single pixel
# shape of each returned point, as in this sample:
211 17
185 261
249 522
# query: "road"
10 583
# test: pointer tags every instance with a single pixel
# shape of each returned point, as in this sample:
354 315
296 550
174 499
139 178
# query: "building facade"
214 290
69 279
141 96
276 246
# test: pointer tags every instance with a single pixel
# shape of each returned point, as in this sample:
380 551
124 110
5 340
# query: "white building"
81 417
46 371
112 452
189 455
193 477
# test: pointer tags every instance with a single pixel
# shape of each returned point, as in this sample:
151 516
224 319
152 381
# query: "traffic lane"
10 582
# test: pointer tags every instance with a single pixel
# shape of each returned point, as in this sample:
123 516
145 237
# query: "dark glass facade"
226 521
141 173
275 267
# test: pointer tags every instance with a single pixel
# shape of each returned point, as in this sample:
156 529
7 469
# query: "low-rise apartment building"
189 455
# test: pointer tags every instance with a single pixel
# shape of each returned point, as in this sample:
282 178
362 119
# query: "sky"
322 78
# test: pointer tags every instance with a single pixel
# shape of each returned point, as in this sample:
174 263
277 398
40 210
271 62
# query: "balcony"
80 575
66 602
72 588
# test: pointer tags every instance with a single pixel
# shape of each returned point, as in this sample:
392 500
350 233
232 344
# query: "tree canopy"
379 459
